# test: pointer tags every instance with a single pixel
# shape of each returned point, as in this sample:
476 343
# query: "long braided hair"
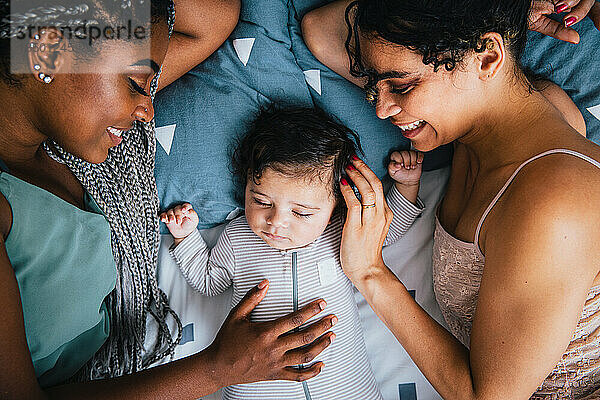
124 188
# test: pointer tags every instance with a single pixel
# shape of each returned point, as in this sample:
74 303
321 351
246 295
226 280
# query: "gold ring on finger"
368 205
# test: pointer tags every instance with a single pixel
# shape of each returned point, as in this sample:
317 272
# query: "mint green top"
64 265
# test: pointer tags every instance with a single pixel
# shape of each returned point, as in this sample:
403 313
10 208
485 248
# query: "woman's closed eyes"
136 88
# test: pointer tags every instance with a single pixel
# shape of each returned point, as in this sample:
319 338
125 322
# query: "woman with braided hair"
79 209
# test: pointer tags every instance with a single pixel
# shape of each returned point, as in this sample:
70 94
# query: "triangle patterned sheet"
313 78
164 135
243 48
595 111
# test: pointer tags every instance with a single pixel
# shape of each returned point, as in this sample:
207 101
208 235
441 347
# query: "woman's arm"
261 355
201 26
324 31
242 352
529 302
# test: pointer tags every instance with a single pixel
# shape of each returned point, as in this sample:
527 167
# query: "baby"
290 164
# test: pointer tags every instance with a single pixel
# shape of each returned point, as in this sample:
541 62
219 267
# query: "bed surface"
265 61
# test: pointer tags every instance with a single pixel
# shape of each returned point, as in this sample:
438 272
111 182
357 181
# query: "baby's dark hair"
296 142
442 31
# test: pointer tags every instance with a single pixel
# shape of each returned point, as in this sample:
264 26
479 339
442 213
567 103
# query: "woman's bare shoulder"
551 198
547 221
557 178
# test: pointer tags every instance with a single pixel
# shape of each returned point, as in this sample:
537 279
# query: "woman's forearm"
200 29
242 352
188 378
324 31
443 360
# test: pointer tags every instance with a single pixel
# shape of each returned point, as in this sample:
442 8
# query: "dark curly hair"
442 31
296 142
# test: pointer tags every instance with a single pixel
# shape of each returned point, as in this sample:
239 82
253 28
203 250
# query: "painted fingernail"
561 7
263 284
343 181
351 167
334 321
332 337
570 21
355 158
322 304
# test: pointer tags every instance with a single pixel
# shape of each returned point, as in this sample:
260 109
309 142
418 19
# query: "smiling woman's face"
86 113
430 108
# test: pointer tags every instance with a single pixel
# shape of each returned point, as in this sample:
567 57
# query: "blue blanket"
266 61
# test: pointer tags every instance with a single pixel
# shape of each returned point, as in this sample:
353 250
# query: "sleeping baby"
290 164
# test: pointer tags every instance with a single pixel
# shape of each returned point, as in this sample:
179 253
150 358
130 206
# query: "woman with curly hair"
516 257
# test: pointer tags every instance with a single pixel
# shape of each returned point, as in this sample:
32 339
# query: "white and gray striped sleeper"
296 278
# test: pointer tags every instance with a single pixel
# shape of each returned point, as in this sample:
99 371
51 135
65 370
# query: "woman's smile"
411 130
115 134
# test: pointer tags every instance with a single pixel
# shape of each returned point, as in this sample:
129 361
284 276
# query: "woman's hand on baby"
574 11
405 167
367 222
246 351
180 220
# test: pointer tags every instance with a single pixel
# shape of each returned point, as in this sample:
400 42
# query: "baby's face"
285 212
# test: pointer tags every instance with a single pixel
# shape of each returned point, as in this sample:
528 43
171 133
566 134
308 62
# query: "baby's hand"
405 167
181 221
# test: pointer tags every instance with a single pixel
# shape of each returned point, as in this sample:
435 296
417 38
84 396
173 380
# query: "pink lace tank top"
457 272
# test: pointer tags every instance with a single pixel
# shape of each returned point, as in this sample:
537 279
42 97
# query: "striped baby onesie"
296 278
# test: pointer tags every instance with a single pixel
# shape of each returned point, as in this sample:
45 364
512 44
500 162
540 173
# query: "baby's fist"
181 220
405 167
